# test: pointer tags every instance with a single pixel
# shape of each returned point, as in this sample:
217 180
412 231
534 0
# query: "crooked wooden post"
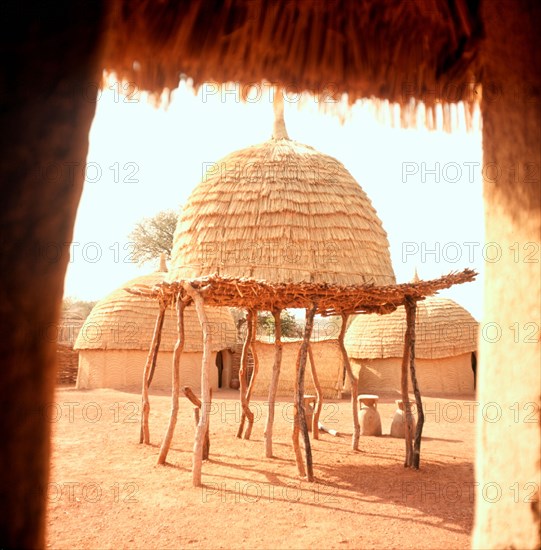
246 412
177 353
196 414
319 399
274 380
299 414
408 424
202 426
353 383
255 370
411 307
148 372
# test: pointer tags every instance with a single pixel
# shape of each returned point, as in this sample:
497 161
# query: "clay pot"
234 384
369 420
398 425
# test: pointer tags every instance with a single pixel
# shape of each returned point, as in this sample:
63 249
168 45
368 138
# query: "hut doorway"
223 366
220 367
474 368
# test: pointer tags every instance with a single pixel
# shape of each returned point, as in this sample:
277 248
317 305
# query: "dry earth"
106 491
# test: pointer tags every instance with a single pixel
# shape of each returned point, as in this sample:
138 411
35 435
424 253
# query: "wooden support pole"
177 353
246 412
353 383
202 426
319 399
150 365
197 407
274 380
411 306
299 414
408 424
255 370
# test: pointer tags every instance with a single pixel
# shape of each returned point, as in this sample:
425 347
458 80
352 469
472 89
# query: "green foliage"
152 236
290 327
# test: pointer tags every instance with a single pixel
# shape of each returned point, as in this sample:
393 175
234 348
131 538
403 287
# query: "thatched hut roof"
281 211
402 51
123 320
443 329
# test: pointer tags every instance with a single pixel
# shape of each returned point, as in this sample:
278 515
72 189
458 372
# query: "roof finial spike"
415 276
279 131
163 264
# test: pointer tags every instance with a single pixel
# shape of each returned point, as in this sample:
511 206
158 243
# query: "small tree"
290 327
152 236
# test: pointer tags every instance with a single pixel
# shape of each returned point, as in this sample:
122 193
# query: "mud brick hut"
113 342
446 338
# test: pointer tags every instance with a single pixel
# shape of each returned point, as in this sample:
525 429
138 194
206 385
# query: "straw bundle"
280 211
443 329
405 52
126 321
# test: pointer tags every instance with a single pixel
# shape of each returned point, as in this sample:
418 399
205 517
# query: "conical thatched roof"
443 329
126 321
282 212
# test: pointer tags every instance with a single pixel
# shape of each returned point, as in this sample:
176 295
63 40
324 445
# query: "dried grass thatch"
402 51
443 329
124 320
281 211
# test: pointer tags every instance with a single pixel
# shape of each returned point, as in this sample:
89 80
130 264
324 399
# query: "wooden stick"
411 306
177 353
408 425
354 385
274 380
246 412
148 372
197 402
202 426
299 418
155 357
252 379
319 400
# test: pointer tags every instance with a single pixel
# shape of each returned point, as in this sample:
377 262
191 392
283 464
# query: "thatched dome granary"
113 342
446 337
283 212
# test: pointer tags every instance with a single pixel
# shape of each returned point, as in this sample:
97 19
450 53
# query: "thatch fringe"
393 50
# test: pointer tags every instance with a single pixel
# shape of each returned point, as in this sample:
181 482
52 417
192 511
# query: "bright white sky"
143 160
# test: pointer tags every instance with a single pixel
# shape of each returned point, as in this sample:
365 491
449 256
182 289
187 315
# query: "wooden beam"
177 353
255 370
408 424
196 413
274 380
411 306
246 412
353 383
299 418
202 426
319 399
150 365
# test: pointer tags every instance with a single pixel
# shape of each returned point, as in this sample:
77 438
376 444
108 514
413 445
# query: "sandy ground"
106 491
